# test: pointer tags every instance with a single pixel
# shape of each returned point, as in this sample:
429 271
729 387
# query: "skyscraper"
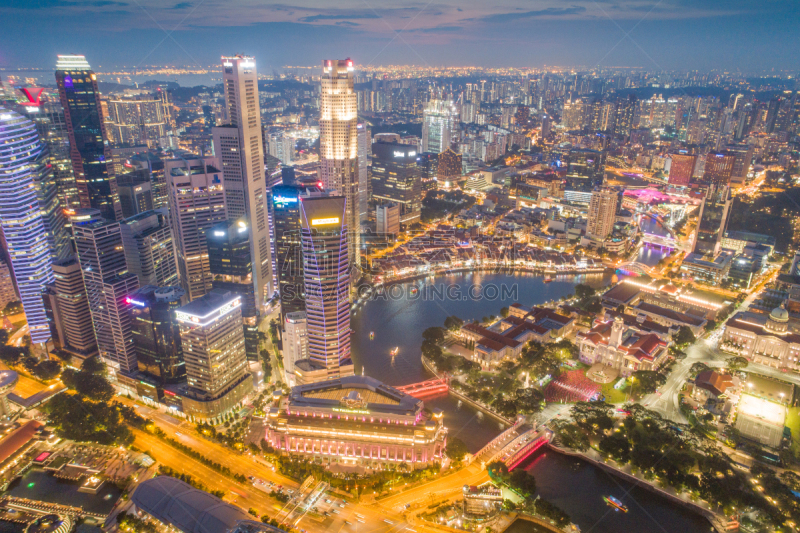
295 341
89 149
196 202
712 220
338 144
681 168
24 228
439 126
149 252
240 150
156 334
71 308
396 178
602 214
142 119
326 277
449 168
213 350
719 169
288 250
108 285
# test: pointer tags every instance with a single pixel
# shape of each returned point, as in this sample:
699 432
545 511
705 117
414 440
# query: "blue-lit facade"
21 217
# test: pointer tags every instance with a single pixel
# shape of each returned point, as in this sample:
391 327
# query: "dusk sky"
681 34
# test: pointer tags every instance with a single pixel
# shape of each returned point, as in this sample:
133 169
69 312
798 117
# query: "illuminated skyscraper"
396 178
240 150
88 142
681 168
24 227
719 169
338 144
602 214
108 285
712 220
326 273
196 203
140 119
287 248
439 126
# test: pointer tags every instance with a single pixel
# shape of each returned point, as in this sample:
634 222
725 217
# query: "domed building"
50 523
770 342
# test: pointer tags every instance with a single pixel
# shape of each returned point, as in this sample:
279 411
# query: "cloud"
182 5
49 4
315 18
439 29
549 12
347 23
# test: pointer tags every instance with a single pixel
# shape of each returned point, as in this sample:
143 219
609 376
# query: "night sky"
746 35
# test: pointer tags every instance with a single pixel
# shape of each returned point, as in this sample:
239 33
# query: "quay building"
356 420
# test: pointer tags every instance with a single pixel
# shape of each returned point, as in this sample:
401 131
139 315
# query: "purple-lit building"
356 420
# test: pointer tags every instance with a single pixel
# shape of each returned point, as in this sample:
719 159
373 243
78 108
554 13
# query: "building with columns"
768 342
356 420
622 347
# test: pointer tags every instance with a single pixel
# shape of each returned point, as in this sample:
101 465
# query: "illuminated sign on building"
135 302
324 221
351 411
182 316
284 200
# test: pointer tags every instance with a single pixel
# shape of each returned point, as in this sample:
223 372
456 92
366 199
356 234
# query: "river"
398 318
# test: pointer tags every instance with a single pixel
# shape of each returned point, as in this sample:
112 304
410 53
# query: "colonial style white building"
624 348
769 343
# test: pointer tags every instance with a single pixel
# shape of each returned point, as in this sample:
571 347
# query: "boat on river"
615 503
394 352
371 335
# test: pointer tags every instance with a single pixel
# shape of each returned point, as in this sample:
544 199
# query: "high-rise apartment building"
212 340
196 203
387 219
718 169
602 214
364 151
149 253
681 168
287 250
139 119
712 220
156 333
240 150
281 147
108 284
89 149
439 126
338 144
742 159
24 228
395 178
8 293
73 318
135 192
326 274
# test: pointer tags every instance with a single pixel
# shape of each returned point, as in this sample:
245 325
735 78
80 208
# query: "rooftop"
365 391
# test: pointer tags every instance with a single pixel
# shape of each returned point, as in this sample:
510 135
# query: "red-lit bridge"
426 388
528 450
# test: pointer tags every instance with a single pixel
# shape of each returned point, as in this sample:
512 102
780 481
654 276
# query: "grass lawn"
612 395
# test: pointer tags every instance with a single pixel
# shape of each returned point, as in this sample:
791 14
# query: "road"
438 488
360 517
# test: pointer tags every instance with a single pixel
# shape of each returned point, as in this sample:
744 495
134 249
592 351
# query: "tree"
617 446
456 449
584 292
736 363
684 336
93 386
647 381
94 365
253 512
433 334
453 323
523 482
504 312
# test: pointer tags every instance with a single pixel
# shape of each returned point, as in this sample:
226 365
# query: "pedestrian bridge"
426 388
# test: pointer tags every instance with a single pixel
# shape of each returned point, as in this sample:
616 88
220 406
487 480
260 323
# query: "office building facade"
108 284
295 342
712 221
24 228
718 169
338 144
196 203
149 251
73 318
212 339
140 119
387 219
156 333
449 168
285 204
240 150
89 149
326 276
396 179
440 123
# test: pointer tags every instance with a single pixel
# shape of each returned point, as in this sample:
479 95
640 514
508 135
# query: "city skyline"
652 35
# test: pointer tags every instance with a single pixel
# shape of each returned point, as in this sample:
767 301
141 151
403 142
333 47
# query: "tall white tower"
240 149
439 126
338 144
